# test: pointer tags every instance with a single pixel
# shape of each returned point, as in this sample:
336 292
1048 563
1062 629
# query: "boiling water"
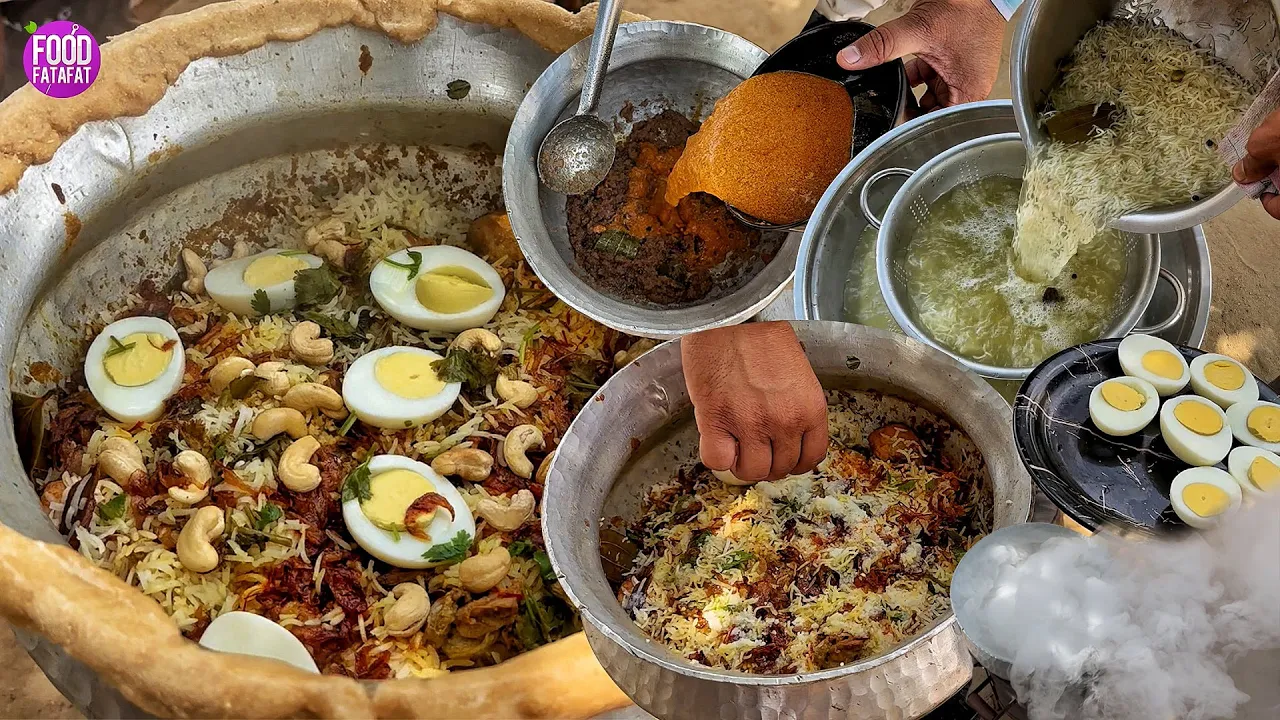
960 279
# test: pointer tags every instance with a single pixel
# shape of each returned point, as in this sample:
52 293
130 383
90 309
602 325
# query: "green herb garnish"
736 560
260 303
112 509
617 242
356 484
347 425
413 266
521 548
544 566
527 339
336 327
116 347
267 515
316 286
450 552
474 369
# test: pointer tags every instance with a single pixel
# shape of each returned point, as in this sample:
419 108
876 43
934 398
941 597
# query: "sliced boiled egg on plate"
1257 470
1256 423
1195 430
133 366
1202 496
1156 361
268 275
245 633
1223 380
396 387
437 287
1123 406
406 514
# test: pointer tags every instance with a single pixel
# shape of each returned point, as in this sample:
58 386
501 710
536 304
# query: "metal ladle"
578 153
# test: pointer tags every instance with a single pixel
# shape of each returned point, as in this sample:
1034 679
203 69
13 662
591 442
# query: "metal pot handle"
864 199
1181 308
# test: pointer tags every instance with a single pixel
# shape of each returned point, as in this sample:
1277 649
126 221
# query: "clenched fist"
761 412
1262 158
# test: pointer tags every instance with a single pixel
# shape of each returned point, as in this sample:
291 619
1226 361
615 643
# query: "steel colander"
1005 155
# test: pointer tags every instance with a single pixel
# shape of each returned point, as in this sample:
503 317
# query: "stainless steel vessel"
595 476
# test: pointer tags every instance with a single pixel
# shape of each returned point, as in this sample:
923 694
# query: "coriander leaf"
116 347
356 484
267 515
528 631
521 548
260 303
544 566
450 552
736 560
336 327
315 286
413 266
474 369
112 509
347 425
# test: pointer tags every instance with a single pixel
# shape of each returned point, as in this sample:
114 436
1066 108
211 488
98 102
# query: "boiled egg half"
1256 423
1223 380
396 388
1156 361
1123 406
1201 496
1257 470
268 274
247 634
133 366
437 287
1195 430
406 510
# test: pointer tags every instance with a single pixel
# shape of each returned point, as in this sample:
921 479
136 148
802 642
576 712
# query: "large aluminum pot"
647 407
1243 33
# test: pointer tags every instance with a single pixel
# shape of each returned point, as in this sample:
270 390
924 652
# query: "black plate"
1093 477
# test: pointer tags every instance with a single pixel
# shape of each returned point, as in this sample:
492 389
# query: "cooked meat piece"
490 235
481 617
343 581
896 443
839 649
441 616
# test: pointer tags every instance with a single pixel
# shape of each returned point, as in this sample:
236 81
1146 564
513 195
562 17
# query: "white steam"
1111 628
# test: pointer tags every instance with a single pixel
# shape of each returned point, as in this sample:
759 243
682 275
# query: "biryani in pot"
264 435
814 571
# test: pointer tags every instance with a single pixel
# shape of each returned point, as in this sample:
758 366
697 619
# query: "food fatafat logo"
61 59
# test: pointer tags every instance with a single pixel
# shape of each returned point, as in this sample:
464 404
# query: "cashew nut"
196 469
478 338
227 371
312 396
275 380
470 464
480 573
120 459
410 610
196 271
623 358
544 468
330 228
239 250
308 346
295 469
333 251
517 392
195 544
519 441
271 423
509 516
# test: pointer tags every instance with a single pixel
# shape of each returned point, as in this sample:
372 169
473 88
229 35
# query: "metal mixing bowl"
646 407
1243 33
1005 155
655 66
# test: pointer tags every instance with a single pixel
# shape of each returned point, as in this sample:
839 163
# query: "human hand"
1262 156
760 410
956 44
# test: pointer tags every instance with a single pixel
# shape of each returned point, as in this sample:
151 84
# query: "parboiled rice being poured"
1176 101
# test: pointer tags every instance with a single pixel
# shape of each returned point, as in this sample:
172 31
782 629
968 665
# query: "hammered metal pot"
647 404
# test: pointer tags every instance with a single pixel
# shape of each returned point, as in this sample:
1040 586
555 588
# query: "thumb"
1251 169
887 42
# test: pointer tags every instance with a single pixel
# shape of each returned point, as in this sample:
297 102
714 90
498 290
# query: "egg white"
375 405
396 292
1238 463
1224 398
245 633
1191 447
226 285
407 551
143 403
1132 349
1209 476
1119 423
1238 420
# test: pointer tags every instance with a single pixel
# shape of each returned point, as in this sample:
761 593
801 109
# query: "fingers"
919 72
813 450
1251 169
1271 202
786 454
718 449
755 459
887 42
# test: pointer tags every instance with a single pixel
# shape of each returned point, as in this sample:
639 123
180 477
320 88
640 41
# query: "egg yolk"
390 495
138 359
408 375
1163 363
271 270
451 289
1224 375
1198 418
1206 500
1122 397
1264 474
1264 422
